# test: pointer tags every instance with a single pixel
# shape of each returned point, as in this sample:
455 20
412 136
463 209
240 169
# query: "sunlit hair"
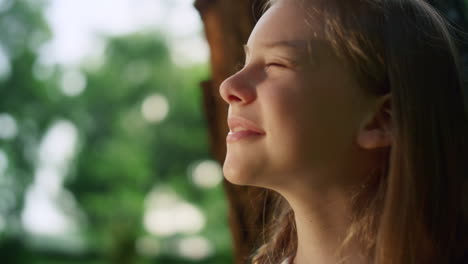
413 209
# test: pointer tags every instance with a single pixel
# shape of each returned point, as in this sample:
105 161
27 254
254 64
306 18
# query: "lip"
251 130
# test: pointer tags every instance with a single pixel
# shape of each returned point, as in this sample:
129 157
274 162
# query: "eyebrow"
296 44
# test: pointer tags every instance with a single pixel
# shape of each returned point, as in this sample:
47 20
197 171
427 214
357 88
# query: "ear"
376 129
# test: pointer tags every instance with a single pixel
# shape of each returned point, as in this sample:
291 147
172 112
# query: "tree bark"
228 24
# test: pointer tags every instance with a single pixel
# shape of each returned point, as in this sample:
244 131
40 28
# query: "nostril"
237 89
233 98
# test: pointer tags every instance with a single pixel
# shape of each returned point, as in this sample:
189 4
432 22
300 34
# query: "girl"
352 113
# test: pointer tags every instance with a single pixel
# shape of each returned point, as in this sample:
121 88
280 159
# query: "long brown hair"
413 208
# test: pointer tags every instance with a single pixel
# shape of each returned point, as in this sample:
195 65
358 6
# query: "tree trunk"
228 24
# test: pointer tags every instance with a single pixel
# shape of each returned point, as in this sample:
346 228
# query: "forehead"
285 22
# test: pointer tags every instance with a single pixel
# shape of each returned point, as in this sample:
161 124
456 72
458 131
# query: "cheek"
308 125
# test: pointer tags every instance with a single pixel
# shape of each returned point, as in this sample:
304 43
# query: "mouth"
240 135
242 129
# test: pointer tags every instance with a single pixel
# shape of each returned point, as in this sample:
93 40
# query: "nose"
238 89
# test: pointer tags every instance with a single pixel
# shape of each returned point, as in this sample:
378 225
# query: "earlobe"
376 129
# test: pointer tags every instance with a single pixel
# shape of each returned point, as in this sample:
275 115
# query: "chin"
236 175
242 171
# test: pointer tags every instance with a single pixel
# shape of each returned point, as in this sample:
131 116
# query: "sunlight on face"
299 98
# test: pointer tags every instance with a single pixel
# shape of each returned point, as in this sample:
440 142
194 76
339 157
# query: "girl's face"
300 103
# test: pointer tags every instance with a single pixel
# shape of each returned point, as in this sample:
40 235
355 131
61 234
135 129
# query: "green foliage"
22 97
121 156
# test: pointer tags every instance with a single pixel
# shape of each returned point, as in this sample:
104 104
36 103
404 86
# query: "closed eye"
275 64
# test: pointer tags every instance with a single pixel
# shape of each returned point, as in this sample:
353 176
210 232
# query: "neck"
321 201
322 220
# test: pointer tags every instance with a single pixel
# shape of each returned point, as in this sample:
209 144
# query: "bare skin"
314 132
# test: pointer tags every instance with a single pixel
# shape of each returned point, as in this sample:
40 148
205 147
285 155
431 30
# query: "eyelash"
241 65
275 64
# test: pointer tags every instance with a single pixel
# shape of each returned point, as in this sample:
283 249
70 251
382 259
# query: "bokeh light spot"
5 66
3 162
49 209
195 248
8 127
58 145
207 174
167 214
155 108
73 83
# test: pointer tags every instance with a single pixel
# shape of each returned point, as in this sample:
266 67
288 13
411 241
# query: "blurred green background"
103 146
